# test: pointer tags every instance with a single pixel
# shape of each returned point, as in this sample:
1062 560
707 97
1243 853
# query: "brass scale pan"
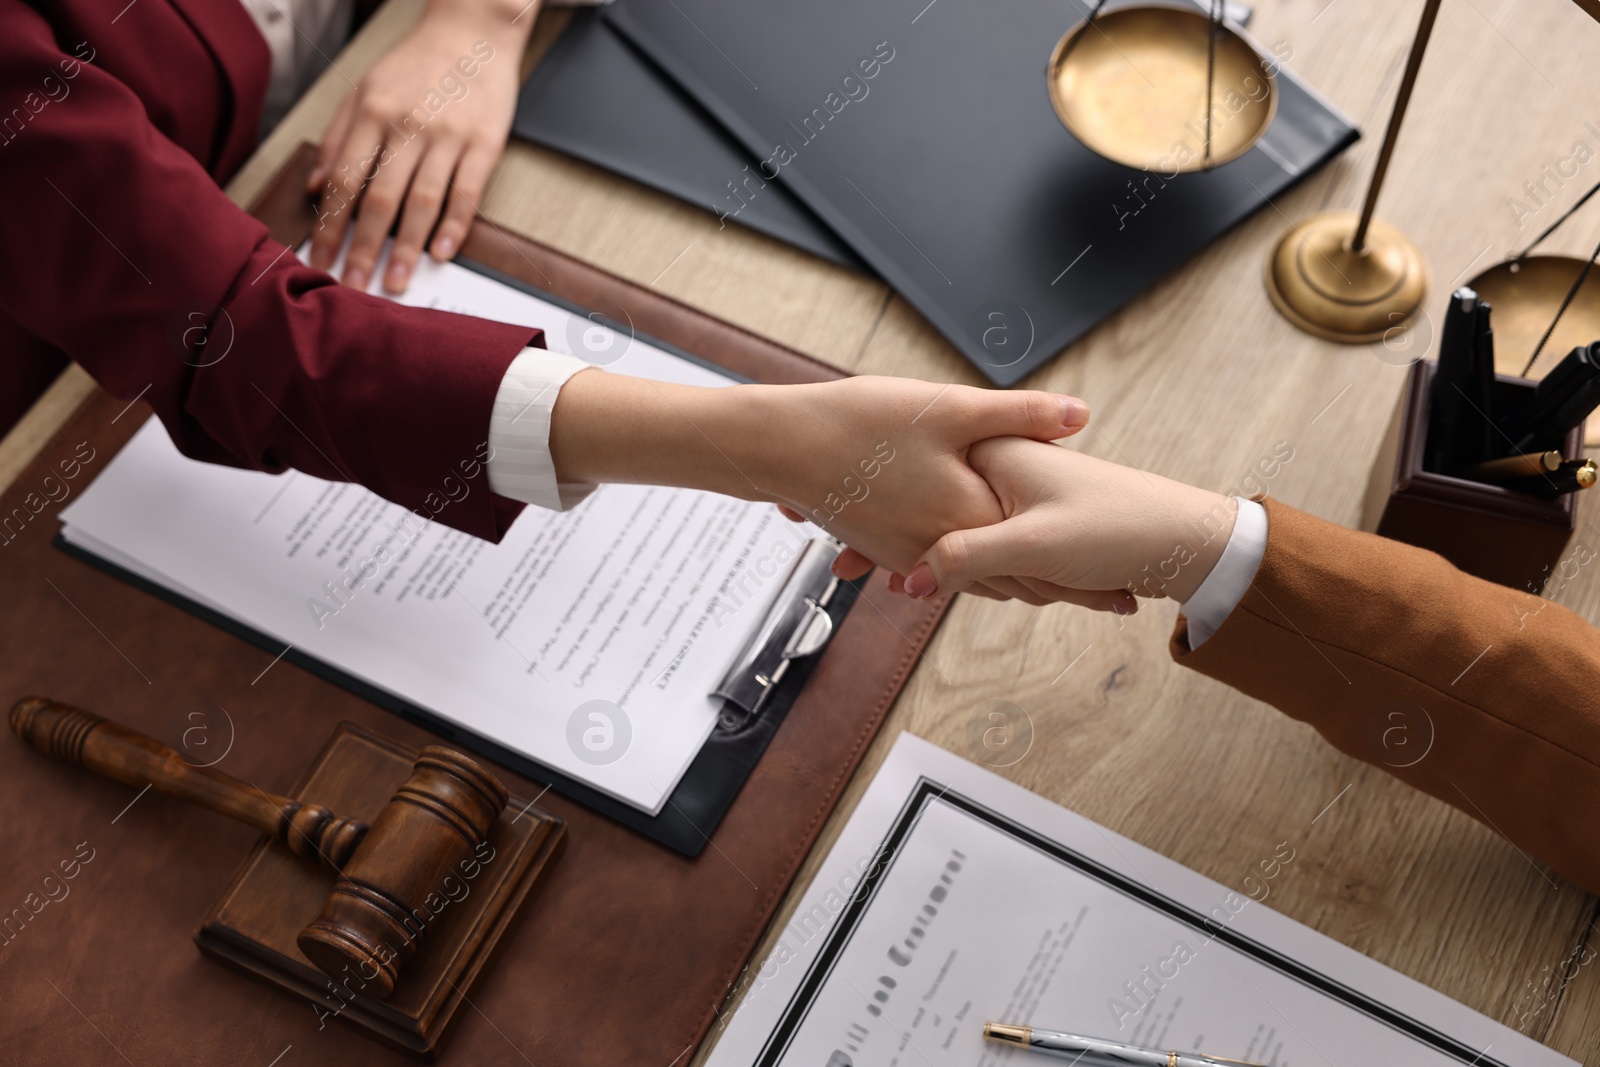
1133 84
1526 293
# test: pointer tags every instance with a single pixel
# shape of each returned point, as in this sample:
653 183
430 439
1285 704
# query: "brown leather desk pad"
627 950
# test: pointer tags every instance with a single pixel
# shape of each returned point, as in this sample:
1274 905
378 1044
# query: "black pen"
1572 476
1483 443
1452 383
1561 400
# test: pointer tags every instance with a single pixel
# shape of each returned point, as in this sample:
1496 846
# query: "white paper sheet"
954 897
587 640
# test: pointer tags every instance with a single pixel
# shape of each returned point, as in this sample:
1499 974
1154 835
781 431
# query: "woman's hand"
1076 524
419 135
881 463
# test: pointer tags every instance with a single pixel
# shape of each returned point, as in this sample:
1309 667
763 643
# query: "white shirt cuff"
520 466
1229 580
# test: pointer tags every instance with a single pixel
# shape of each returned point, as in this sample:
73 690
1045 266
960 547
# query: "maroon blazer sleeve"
122 252
1486 697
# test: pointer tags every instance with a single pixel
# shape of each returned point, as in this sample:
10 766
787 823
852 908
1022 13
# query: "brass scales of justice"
1137 82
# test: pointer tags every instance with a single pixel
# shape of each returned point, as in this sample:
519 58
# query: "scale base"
1325 289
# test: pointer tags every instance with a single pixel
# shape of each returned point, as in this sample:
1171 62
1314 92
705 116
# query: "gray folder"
595 97
947 171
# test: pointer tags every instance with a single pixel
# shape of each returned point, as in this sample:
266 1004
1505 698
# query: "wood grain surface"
1198 379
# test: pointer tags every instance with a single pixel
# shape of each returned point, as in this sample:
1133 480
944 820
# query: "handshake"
953 488
949 488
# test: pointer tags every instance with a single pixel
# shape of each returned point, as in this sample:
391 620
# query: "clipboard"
757 691
639 942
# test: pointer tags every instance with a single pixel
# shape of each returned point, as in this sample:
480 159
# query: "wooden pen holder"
1504 536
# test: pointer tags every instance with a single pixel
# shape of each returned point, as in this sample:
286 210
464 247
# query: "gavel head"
396 884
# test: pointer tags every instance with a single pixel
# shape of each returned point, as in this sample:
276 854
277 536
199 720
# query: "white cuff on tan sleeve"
1230 579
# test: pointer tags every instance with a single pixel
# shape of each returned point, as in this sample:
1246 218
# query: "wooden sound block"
275 894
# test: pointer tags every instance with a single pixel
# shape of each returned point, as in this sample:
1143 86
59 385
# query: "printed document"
587 640
954 897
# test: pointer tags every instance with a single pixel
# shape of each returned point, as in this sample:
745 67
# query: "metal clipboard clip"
796 626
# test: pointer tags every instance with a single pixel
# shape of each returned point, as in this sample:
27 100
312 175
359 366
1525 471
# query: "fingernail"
396 277
920 584
1074 412
356 278
444 247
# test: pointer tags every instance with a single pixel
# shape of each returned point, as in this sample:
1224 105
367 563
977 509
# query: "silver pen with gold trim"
1100 1049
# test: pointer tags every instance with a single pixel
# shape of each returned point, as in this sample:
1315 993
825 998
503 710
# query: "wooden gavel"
370 923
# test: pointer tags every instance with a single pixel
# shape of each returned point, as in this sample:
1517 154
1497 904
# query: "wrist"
745 442
502 23
1202 521
808 447
761 430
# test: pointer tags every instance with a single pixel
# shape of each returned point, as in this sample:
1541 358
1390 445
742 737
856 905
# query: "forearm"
613 428
510 20
1483 696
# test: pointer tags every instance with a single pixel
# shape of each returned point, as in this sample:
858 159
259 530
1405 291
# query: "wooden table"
1197 379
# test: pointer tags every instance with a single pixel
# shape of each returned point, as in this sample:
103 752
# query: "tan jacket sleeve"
1486 697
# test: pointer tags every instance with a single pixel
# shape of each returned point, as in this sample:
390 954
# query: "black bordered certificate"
954 897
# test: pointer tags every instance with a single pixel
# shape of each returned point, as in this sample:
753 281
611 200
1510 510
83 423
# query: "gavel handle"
106 748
